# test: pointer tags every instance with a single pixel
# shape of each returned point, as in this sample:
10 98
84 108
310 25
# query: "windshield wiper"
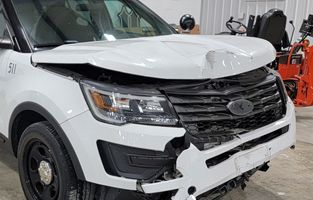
48 45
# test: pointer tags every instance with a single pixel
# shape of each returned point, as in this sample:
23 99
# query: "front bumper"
84 132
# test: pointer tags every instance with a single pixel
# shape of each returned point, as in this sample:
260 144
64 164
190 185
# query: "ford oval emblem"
240 107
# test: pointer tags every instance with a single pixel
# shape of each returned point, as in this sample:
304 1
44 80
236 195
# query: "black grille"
203 107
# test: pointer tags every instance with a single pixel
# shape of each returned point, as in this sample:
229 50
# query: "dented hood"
167 57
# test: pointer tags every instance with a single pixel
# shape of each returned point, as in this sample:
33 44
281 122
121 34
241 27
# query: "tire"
41 148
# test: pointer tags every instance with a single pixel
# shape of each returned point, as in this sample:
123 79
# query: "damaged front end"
199 106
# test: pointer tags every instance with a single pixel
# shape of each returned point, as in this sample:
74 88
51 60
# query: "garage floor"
289 178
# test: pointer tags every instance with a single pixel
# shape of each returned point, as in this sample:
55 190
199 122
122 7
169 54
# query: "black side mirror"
187 22
6 44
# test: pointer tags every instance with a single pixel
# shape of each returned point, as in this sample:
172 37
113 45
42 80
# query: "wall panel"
173 10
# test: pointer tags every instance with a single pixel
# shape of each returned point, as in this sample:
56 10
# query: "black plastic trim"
30 106
282 93
134 163
203 107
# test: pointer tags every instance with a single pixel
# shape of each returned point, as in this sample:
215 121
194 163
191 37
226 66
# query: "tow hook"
191 197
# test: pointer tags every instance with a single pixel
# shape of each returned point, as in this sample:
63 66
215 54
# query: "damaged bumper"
201 171
193 164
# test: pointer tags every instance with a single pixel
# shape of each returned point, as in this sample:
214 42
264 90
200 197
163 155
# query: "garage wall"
172 10
215 13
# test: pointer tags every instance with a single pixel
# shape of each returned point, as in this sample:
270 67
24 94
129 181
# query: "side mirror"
187 22
6 43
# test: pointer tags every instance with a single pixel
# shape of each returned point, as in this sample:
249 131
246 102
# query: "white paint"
169 54
215 13
172 10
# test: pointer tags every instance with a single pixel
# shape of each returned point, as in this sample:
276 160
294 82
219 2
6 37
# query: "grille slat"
203 108
216 99
222 116
200 109
222 90
218 107
267 99
197 100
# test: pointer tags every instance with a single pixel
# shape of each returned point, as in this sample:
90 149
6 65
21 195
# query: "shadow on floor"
7 158
253 192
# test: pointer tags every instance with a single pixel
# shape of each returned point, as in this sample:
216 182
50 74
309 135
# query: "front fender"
30 106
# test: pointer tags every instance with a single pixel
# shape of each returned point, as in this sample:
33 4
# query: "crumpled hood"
168 57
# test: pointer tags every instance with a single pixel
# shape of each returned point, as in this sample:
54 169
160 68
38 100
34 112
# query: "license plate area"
252 160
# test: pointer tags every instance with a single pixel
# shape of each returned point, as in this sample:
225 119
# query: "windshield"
56 22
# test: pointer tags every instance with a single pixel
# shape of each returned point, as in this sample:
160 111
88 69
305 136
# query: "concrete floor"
289 178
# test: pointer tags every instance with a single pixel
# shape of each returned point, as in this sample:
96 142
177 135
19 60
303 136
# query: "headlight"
121 105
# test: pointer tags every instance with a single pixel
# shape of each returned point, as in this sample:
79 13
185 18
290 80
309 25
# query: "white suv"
103 100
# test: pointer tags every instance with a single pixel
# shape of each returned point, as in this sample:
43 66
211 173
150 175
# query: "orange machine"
297 73
296 67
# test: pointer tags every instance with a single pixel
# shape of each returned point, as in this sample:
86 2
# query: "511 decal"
12 68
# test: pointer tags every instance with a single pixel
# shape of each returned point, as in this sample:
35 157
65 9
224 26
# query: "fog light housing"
135 163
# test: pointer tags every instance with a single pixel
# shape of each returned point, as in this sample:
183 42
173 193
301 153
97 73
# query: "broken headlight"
121 105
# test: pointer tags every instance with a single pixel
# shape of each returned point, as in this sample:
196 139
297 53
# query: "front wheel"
45 169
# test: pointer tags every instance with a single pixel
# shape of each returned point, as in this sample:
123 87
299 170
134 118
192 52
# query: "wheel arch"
38 113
